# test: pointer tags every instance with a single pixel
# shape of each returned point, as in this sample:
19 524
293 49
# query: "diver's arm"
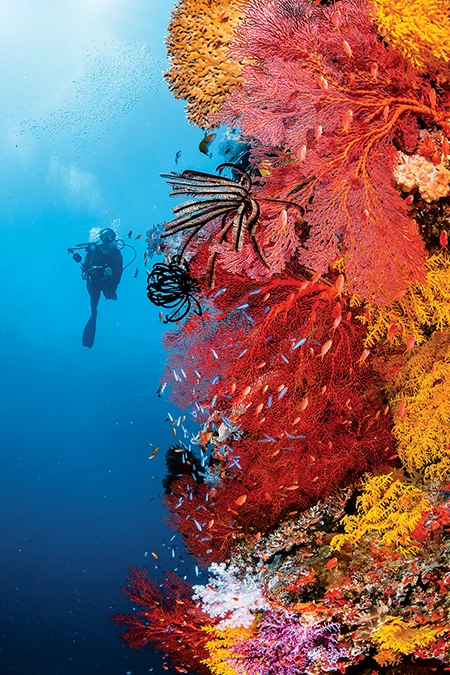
89 260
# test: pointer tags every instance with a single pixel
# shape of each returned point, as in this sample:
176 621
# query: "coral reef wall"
308 284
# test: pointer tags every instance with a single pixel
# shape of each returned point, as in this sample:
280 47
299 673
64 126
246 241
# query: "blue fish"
299 344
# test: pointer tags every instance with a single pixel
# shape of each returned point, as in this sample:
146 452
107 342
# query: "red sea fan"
275 480
287 338
284 365
322 91
171 622
278 233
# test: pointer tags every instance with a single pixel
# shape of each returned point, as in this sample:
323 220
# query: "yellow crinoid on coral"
388 508
423 307
423 430
220 645
388 657
400 636
419 29
202 72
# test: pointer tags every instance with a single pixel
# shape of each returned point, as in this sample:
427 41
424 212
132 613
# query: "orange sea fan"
202 71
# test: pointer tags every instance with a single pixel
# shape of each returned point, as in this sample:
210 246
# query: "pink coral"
415 172
285 645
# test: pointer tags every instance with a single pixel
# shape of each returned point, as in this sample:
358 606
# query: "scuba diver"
102 270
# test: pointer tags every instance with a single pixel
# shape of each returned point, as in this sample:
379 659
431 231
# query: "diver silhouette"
102 270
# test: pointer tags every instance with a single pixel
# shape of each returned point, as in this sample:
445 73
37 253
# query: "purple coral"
284 645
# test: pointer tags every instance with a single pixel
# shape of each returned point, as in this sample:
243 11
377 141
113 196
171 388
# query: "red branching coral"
278 480
171 622
331 104
284 365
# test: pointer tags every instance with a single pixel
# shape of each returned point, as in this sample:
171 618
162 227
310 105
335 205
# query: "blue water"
83 138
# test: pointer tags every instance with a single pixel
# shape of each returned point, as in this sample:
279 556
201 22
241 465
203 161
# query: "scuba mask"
107 238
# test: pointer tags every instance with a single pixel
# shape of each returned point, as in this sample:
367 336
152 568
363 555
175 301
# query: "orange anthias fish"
393 330
364 355
301 154
411 341
304 403
326 348
347 120
337 321
339 284
323 84
154 452
347 49
401 408
282 220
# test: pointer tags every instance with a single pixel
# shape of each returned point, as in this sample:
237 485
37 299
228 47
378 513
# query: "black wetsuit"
94 267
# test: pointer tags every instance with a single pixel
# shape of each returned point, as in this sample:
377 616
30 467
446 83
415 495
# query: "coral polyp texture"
201 69
312 477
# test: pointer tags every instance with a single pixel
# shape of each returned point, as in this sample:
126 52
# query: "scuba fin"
89 331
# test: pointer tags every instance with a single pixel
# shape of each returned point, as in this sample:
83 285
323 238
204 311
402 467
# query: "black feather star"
215 196
171 286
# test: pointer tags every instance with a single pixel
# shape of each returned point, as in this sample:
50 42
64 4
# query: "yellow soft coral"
423 307
387 507
202 71
419 29
219 648
423 430
400 636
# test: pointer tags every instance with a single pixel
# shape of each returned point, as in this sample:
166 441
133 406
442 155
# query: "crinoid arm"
171 286
245 179
214 196
201 217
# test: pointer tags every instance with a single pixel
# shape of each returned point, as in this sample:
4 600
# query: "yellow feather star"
423 431
400 636
388 657
423 307
388 508
220 645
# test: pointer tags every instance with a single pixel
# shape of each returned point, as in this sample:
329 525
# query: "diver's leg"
109 291
94 292
89 330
